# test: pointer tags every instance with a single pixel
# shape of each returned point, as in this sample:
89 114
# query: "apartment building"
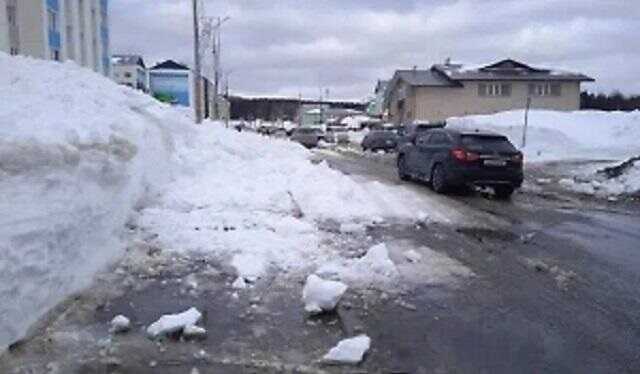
57 30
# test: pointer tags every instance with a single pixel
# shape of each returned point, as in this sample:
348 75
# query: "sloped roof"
170 65
507 70
127 60
429 77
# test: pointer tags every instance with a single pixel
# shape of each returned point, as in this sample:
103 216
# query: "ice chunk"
239 283
349 351
351 228
170 323
193 331
377 259
120 324
321 295
412 256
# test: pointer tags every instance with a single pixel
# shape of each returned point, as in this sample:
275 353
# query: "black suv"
448 158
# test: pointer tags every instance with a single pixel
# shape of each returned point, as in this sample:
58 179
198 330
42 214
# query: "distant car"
307 136
449 158
380 140
337 134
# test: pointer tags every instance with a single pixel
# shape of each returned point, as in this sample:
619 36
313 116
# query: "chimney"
447 61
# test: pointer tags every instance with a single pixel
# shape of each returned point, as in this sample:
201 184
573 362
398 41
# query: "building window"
14 51
544 89
494 89
127 74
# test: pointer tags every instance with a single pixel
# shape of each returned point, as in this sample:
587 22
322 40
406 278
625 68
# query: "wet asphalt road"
556 290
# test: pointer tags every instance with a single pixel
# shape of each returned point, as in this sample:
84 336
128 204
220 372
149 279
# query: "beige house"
449 90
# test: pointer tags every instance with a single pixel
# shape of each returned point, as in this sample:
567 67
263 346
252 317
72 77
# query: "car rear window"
488 143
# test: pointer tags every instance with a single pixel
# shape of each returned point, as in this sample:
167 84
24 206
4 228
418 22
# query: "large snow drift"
81 156
76 152
551 135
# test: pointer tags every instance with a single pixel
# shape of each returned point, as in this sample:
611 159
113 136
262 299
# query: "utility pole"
526 122
217 51
197 84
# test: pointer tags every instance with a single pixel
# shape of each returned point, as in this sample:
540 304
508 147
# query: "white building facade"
129 70
57 30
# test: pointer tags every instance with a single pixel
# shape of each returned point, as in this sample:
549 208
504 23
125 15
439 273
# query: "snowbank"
625 181
77 153
551 135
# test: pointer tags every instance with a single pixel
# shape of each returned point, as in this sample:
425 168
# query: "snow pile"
551 135
255 202
375 268
170 323
77 153
349 351
321 295
623 179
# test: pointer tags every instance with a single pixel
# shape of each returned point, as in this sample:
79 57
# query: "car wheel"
438 179
503 192
402 169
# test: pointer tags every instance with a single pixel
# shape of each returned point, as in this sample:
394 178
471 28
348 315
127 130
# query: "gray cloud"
289 47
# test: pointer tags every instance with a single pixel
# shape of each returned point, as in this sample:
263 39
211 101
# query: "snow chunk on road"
374 268
349 351
321 295
170 323
412 256
120 324
193 331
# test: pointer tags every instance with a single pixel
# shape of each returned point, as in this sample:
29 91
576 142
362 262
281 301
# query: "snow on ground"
76 155
594 181
552 135
374 268
255 202
80 157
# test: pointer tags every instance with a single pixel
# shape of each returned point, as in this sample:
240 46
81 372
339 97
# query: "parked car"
337 134
408 132
380 140
307 136
449 158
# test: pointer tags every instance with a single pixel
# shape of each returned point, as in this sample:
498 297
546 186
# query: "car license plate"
495 162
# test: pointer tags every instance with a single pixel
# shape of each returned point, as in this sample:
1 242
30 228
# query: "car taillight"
461 154
517 158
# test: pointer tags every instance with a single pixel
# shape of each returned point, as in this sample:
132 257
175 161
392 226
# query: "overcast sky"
287 47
